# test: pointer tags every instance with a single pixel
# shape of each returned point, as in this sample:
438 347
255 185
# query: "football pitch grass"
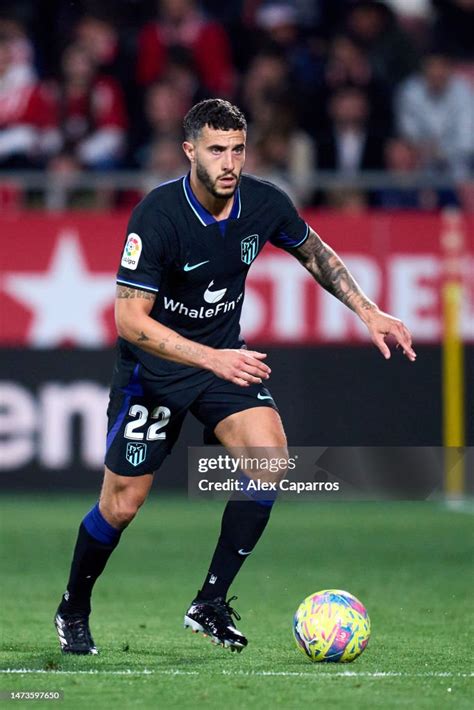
410 564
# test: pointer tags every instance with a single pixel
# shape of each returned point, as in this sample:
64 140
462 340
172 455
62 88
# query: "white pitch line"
289 674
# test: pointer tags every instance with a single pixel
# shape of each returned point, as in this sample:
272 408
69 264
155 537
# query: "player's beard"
210 185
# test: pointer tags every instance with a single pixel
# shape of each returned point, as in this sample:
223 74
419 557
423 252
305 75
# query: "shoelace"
229 609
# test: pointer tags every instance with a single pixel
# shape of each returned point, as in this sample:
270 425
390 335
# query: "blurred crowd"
327 85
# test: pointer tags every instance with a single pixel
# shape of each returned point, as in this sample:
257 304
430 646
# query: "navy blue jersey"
197 265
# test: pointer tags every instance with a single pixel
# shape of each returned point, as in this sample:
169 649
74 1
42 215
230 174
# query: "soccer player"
180 288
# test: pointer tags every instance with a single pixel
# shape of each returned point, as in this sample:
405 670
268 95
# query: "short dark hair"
216 113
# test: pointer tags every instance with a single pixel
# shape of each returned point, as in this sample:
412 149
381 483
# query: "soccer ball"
331 626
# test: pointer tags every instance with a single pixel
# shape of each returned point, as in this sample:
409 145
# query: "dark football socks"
243 523
96 541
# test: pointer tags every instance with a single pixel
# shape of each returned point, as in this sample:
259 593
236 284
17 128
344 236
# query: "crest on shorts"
249 248
135 453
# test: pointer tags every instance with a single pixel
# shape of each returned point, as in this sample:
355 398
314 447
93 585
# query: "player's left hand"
381 325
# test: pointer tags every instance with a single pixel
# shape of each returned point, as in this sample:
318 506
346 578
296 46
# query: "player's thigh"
256 437
240 421
258 427
239 416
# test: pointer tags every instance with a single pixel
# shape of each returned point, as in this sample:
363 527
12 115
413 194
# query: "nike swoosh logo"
263 396
187 267
213 296
243 552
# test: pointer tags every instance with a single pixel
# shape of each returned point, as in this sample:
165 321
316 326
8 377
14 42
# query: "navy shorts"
146 413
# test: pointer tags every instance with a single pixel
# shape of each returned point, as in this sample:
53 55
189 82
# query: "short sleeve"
147 250
292 230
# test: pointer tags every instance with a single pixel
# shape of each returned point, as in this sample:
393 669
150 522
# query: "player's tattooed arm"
134 324
331 273
132 317
127 292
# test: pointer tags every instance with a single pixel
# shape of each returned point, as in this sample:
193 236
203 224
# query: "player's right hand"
242 367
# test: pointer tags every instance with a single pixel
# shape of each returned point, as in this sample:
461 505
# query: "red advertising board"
57 285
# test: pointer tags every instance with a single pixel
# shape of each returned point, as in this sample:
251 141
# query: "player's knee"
125 512
277 460
121 509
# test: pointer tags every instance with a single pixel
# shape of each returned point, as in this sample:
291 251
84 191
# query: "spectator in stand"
93 119
99 37
279 24
181 73
402 162
415 17
435 111
28 132
284 149
165 107
165 161
348 65
453 30
181 24
113 53
21 46
392 53
268 99
266 78
350 145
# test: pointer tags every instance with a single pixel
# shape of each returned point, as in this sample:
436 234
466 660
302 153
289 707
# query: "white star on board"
67 300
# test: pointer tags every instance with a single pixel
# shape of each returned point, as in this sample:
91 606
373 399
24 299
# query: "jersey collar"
205 217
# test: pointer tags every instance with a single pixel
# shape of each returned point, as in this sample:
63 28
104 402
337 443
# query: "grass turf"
410 563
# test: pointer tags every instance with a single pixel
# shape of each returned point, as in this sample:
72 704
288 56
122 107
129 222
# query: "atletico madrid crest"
249 248
136 453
